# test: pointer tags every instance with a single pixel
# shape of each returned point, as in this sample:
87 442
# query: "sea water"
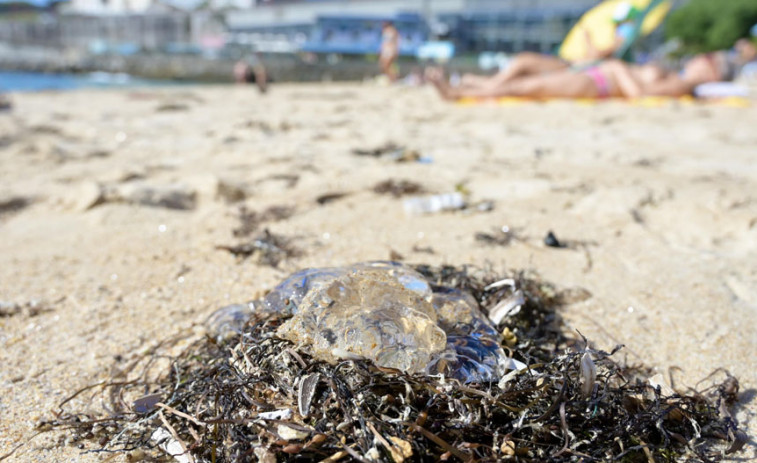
13 81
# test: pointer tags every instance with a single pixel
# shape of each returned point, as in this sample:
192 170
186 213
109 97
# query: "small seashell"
401 449
283 414
507 307
146 404
588 375
508 448
287 433
305 395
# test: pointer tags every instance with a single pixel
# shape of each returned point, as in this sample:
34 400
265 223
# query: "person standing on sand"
5 103
390 50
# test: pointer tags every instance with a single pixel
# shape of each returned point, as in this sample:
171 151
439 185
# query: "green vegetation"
706 25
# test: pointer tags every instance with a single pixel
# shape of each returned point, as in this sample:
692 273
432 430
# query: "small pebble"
552 241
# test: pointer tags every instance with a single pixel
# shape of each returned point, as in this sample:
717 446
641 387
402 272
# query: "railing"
145 32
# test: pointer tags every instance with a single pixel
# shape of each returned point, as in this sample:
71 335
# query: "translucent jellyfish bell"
385 312
458 313
287 295
228 321
367 313
473 358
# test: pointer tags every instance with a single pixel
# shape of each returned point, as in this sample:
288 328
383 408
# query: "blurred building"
334 27
353 26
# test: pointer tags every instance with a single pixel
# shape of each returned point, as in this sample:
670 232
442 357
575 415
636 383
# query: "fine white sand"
659 203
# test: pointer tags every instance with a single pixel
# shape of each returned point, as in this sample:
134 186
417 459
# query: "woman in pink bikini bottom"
600 81
608 79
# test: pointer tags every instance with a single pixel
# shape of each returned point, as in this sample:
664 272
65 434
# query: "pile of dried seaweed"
256 396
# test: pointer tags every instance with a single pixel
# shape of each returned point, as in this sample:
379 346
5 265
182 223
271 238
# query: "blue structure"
31 3
361 35
509 31
507 26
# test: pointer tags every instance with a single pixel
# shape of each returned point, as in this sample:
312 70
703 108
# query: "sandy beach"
113 205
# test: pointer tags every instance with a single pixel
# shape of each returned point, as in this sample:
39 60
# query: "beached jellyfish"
229 320
368 312
388 313
287 295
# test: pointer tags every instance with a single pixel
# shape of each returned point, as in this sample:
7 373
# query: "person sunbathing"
529 63
612 78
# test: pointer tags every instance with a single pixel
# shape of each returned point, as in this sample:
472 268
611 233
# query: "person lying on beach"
612 78
744 51
530 63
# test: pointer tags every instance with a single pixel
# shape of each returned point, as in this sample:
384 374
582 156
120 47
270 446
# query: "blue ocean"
11 81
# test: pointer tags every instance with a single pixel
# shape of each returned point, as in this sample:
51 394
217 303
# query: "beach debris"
398 188
124 175
249 221
45 129
13 204
85 196
574 295
264 455
172 446
423 249
172 107
240 396
146 404
390 151
485 205
507 307
171 196
7 140
264 126
739 440
228 320
588 375
90 194
8 309
289 181
308 383
431 204
658 382
267 249
30 308
330 197
462 188
289 433
283 414
230 191
497 238
552 241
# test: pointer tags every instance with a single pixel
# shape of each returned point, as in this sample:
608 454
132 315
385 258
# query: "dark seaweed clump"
266 248
257 396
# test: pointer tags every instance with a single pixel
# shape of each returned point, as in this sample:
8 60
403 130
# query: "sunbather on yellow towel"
612 78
